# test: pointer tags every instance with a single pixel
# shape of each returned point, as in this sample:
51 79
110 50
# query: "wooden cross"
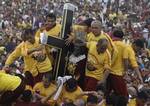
59 43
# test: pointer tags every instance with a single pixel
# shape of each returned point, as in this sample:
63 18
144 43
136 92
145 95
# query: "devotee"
50 27
45 88
70 92
115 79
130 56
35 58
118 69
11 87
98 63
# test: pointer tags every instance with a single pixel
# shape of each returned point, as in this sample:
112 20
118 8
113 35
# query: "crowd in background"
132 16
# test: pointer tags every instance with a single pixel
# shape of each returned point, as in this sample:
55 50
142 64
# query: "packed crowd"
108 66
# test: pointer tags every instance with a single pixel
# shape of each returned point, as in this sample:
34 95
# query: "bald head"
102 45
103 41
96 27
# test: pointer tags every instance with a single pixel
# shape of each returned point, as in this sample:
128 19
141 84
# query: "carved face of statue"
79 50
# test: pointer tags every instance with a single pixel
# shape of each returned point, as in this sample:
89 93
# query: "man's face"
50 22
96 29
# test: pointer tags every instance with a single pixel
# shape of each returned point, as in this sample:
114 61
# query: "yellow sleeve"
107 62
132 59
14 55
129 54
88 44
79 92
37 36
126 53
36 87
89 37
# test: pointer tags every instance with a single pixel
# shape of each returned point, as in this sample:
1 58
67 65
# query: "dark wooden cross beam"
59 43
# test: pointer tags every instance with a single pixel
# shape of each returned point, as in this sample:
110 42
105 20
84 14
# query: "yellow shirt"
44 91
71 96
100 61
129 54
30 64
55 31
118 67
132 102
8 82
111 47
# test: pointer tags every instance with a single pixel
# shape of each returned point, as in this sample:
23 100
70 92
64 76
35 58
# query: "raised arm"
13 56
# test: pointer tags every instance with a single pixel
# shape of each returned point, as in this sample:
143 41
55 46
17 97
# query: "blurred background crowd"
132 16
